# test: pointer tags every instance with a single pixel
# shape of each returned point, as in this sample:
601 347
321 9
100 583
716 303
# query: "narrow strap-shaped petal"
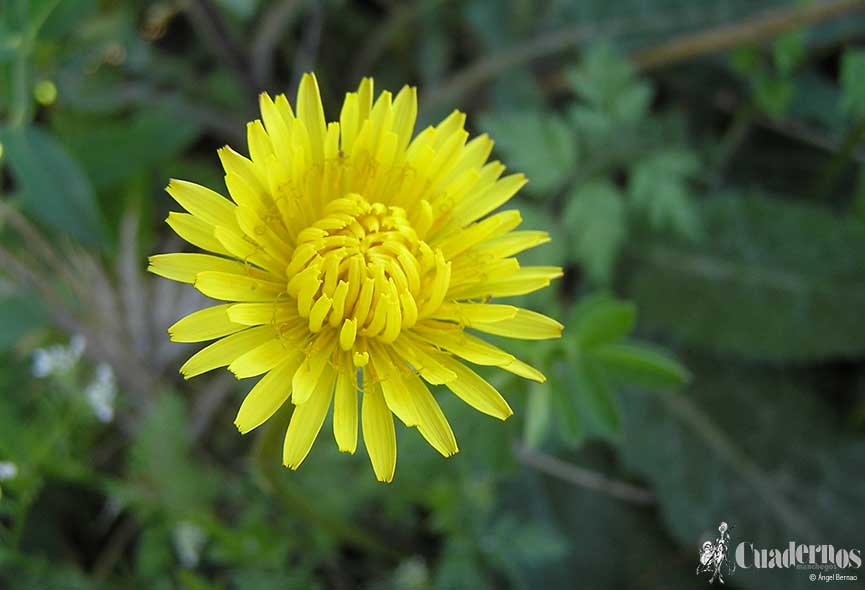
222 352
203 203
307 420
231 287
525 325
345 407
379 435
267 396
462 344
432 423
184 266
475 391
196 231
318 356
204 324
311 113
260 359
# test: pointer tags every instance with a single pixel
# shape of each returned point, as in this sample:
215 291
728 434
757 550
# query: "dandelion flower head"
356 262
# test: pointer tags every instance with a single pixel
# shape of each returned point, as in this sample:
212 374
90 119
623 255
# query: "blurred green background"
699 164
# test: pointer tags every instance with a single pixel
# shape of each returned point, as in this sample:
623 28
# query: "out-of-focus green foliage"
708 212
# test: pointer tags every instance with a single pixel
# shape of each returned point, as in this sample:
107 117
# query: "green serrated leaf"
595 214
601 319
658 186
541 145
641 365
113 151
52 186
723 452
778 281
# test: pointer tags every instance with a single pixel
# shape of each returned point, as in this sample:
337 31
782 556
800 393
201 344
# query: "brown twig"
764 26
582 477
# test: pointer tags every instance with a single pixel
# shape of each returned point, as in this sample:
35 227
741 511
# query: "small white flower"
189 540
100 393
58 359
8 470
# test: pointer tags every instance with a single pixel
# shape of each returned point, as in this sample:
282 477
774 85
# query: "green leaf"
642 365
659 186
746 61
773 95
541 145
601 319
565 404
778 281
19 316
725 451
598 398
163 474
113 151
788 51
608 82
538 412
595 214
853 82
53 188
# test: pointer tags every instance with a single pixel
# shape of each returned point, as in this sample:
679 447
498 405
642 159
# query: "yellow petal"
518 367
260 359
240 247
267 396
392 387
222 352
311 113
418 354
204 324
183 267
345 410
526 325
512 243
523 281
260 147
203 203
467 314
474 390
196 232
379 435
318 354
231 287
489 200
256 314
307 420
432 423
234 163
464 345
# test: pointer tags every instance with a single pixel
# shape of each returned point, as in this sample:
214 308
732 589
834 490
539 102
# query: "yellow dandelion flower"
352 259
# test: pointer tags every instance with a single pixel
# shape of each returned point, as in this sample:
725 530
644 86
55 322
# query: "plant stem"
842 158
582 477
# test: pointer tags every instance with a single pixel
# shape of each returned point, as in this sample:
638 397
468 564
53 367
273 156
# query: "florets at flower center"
362 269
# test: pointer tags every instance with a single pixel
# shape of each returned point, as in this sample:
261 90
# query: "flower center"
362 268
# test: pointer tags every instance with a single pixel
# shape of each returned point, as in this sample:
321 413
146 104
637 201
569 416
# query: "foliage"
708 213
